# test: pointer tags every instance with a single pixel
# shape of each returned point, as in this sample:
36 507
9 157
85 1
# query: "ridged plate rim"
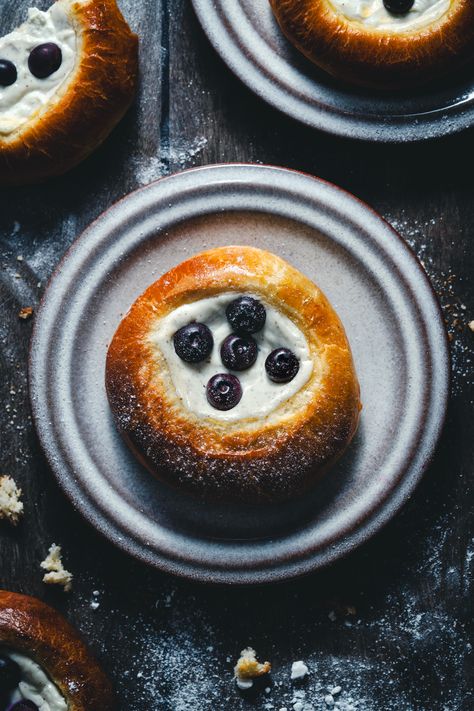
231 186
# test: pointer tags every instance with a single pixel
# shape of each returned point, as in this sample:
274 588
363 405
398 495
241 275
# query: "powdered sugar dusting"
182 644
449 289
183 155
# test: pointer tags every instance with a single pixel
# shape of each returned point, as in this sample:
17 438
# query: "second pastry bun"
34 629
95 97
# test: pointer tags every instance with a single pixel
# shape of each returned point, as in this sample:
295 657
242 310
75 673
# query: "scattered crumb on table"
11 507
25 312
56 573
248 668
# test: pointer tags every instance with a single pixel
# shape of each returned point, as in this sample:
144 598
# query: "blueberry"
8 73
44 60
23 705
10 674
193 343
246 314
224 391
282 365
398 7
238 352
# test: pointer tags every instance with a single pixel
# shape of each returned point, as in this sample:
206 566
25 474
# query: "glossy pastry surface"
264 428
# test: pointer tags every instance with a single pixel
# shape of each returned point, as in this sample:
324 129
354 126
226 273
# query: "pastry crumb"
25 312
248 668
299 670
56 573
11 507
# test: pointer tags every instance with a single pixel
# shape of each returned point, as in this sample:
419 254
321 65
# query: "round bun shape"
360 53
83 113
252 459
32 628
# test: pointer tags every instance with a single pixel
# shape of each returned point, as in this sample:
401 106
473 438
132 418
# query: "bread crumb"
299 670
57 574
471 325
248 668
25 312
11 508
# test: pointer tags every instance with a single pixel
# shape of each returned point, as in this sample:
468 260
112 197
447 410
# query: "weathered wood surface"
400 637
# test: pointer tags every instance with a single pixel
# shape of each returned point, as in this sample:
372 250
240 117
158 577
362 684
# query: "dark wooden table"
390 624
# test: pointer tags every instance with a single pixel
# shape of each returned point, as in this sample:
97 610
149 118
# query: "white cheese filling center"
260 396
374 14
36 686
28 95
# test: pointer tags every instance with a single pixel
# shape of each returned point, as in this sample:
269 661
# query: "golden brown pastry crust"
32 628
271 458
98 94
353 52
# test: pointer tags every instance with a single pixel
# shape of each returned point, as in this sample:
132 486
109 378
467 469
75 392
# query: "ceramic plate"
388 309
246 35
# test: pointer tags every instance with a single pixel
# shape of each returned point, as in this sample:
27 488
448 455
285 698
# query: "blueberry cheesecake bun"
383 44
231 377
67 76
44 664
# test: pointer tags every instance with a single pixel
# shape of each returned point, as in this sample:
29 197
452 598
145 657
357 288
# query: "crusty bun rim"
31 627
353 52
312 427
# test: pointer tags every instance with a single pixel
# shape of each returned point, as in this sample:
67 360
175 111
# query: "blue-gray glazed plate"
392 320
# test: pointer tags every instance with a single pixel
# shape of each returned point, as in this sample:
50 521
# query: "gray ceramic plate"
386 304
246 35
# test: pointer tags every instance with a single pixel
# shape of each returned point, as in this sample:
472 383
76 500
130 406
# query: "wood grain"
406 646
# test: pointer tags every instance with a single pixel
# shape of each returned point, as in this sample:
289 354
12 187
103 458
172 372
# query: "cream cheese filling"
374 15
36 686
260 395
28 95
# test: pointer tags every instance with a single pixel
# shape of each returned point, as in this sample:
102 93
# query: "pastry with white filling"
231 377
67 76
381 43
44 664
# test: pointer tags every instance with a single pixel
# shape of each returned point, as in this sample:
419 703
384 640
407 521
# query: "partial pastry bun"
360 53
92 101
255 459
34 629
